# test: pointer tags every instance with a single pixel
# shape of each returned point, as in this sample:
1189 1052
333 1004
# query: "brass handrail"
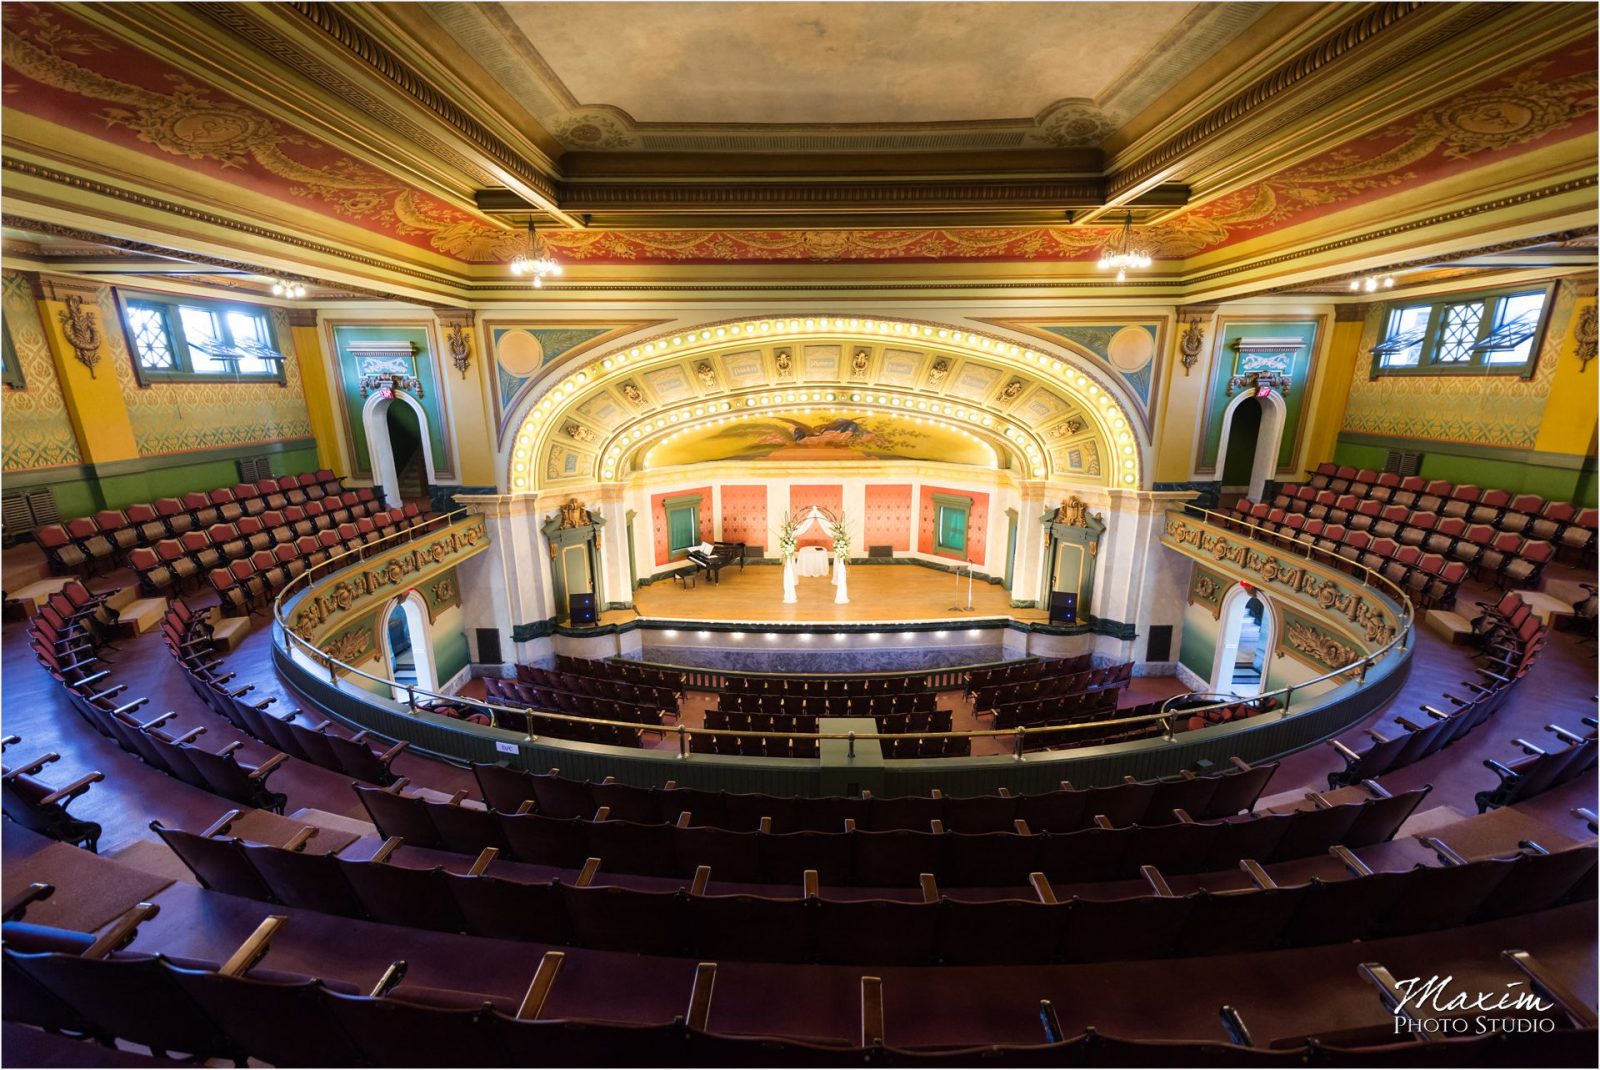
1020 733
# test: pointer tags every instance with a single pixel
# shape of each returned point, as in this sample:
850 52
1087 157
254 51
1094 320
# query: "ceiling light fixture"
1371 284
288 288
1124 258
535 260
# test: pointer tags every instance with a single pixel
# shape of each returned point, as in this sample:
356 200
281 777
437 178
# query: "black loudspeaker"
581 609
1064 607
488 646
1158 647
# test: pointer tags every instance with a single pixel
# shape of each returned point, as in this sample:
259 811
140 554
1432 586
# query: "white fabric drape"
841 589
804 564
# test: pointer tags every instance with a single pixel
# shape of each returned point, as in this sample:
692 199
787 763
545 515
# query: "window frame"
183 371
10 364
1478 362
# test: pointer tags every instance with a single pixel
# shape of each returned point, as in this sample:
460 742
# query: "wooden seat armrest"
1447 854
1319 800
254 948
482 862
591 867
1495 676
936 826
455 800
1356 867
1158 883
196 732
121 932
765 826
361 736
1041 888
1529 748
544 979
1376 790
269 700
1407 724
157 722
930 887
34 766
684 818
72 790
1477 687
1437 715
264 770
246 689
1050 1023
1376 738
398 786
1257 874
17 905
392 976
393 752
298 841
222 824
1549 988
602 814
1350 756
132 707
1233 1025
702 877
390 846
810 884
1503 772
700 992
1102 821
1533 847
1021 827
110 692
1562 734
525 807
872 1028
92 678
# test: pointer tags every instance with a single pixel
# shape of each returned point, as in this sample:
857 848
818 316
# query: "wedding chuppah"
812 560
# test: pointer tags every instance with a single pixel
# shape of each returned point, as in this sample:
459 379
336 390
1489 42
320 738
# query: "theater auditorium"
799 534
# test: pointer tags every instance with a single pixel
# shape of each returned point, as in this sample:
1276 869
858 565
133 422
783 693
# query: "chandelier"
1124 258
287 288
535 260
1371 284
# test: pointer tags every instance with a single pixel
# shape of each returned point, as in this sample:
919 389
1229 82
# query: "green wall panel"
1562 479
1294 401
350 386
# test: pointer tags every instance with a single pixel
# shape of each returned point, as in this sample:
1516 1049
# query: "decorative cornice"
301 317
330 20
1336 45
127 196
1350 313
454 317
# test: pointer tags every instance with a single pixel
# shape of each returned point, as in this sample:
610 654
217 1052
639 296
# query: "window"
195 339
10 366
950 524
1468 334
683 525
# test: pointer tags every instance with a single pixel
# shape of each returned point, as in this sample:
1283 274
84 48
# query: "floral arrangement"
841 536
787 538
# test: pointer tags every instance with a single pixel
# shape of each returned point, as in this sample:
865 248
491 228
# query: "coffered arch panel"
1000 403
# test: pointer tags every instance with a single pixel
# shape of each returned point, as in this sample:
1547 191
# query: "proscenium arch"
548 429
380 451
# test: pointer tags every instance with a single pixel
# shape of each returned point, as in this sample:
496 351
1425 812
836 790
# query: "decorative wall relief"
1374 619
418 564
1588 334
82 332
1207 588
1313 643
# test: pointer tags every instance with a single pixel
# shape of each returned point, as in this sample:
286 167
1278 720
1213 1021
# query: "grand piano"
711 557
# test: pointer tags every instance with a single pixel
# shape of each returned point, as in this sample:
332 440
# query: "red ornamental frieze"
401 569
1375 621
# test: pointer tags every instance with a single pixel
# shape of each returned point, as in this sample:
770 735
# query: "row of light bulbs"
1125 456
1371 284
288 288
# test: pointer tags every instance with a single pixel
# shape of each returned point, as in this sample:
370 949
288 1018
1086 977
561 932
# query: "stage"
881 594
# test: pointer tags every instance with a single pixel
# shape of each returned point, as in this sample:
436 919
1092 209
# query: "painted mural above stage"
822 436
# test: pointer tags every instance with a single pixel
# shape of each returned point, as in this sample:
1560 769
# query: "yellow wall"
319 395
1568 423
93 395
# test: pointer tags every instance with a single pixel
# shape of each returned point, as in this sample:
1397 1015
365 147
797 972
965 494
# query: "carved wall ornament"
82 332
1070 426
784 359
1588 333
573 514
707 374
578 432
1193 341
937 373
631 391
1074 512
1255 381
460 349
1321 648
858 363
1013 388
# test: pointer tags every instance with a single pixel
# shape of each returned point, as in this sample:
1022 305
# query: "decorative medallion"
1587 332
82 332
1193 341
460 351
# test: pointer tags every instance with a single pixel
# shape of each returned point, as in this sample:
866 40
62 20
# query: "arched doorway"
408 655
1244 643
1252 434
397 446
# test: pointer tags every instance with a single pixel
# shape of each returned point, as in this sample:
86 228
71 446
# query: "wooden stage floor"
878 594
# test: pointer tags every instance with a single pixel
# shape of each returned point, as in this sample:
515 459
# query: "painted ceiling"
818 67
820 436
58 67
